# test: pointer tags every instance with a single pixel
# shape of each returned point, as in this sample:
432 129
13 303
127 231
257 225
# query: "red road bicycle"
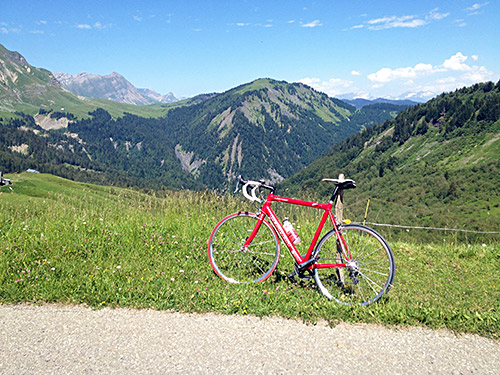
351 264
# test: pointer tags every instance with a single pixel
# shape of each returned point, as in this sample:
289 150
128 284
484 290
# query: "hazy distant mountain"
411 97
158 98
360 103
112 86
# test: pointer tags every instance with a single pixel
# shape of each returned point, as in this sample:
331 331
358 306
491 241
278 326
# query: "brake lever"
237 186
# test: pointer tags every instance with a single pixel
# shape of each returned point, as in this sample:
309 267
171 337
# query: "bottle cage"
254 185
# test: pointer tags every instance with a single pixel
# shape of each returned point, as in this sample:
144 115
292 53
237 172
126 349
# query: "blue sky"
361 48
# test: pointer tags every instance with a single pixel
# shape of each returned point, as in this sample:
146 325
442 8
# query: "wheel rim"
367 277
236 263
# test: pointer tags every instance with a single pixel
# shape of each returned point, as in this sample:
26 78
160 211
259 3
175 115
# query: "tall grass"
68 242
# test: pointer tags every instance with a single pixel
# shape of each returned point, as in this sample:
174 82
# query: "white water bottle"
291 232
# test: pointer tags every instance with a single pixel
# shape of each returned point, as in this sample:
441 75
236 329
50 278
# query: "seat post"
336 191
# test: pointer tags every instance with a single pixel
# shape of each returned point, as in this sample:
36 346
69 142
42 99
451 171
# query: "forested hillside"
441 157
267 129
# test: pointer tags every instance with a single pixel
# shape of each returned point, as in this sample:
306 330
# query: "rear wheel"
368 274
236 263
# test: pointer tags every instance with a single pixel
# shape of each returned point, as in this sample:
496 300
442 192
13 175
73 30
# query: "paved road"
55 339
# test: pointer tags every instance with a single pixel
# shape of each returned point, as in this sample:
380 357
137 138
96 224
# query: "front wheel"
369 271
233 261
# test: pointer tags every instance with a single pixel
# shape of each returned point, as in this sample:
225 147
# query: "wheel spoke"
233 261
368 274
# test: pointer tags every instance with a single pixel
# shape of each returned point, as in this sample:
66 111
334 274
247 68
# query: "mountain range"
112 86
26 88
440 157
264 128
360 103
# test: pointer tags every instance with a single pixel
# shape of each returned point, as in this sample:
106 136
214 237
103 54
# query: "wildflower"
172 279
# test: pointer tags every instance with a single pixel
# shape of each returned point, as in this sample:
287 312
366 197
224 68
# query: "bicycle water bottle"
291 232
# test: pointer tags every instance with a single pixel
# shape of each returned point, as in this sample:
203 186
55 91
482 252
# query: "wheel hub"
353 268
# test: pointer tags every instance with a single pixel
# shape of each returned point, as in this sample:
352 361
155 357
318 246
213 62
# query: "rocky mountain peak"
112 86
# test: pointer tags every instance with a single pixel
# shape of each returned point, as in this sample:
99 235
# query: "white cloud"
137 18
477 74
385 75
435 15
309 81
453 73
314 23
456 62
96 25
395 22
474 9
355 73
5 29
332 86
446 80
460 22
409 21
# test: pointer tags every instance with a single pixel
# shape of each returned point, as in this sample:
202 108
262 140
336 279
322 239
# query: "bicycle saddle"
345 183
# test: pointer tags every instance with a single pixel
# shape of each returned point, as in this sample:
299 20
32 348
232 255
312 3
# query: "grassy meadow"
75 243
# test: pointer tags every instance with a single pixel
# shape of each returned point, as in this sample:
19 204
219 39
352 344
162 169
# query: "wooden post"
339 205
339 215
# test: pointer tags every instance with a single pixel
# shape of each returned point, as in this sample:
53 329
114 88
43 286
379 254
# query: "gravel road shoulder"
58 339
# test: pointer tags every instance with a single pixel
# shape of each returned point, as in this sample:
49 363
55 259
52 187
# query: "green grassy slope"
435 165
68 242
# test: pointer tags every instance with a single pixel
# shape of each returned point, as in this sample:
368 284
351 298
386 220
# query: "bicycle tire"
367 277
236 264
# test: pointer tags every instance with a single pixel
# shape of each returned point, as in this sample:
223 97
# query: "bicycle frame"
266 210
